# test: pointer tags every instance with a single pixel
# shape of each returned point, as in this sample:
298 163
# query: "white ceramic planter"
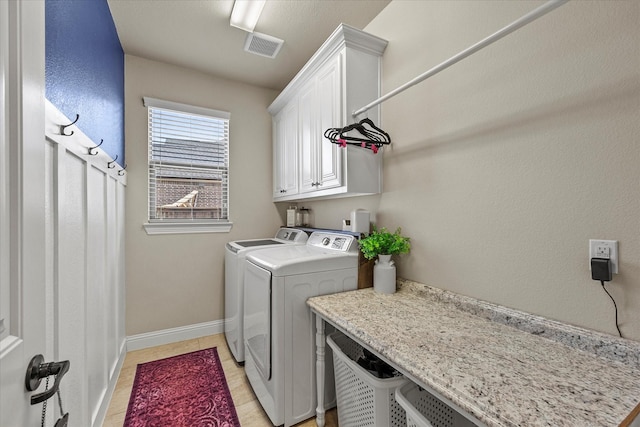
384 275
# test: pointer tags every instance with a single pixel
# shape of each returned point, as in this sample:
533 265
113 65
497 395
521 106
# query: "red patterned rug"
189 390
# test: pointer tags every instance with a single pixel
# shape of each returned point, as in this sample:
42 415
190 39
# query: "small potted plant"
383 244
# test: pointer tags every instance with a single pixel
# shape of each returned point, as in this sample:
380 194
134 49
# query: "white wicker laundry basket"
425 410
362 399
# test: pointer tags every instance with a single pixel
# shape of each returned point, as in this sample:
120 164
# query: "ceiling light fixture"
245 14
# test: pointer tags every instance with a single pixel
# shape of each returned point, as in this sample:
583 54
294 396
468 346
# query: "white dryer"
278 328
234 262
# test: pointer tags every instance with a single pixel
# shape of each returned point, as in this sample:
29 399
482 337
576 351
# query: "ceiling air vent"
263 45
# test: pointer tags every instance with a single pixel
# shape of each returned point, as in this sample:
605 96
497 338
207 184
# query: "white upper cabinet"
285 153
342 76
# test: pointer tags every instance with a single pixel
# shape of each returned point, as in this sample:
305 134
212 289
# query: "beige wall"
505 165
178 280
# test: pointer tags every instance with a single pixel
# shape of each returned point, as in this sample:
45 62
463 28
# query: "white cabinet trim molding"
343 36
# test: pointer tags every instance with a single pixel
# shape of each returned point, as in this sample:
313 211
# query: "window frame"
185 226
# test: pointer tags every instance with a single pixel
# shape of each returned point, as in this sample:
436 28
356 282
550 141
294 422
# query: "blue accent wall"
84 70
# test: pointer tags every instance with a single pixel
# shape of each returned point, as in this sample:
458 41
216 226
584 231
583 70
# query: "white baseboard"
168 336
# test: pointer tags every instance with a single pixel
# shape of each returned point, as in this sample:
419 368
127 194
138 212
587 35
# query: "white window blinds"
188 163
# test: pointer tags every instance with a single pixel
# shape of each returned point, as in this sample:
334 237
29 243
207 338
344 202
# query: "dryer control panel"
333 241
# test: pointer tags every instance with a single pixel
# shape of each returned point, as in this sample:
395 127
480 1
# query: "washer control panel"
333 241
291 235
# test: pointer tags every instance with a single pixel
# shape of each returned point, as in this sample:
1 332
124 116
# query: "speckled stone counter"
504 367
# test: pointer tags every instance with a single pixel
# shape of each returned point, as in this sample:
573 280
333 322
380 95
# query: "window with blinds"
188 163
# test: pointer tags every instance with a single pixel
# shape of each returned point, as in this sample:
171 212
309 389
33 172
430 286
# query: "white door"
22 253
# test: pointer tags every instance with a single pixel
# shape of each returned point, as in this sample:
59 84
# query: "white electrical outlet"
604 249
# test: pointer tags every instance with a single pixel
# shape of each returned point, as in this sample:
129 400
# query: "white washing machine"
234 262
278 328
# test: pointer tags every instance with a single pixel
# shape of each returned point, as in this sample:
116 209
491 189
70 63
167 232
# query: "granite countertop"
504 367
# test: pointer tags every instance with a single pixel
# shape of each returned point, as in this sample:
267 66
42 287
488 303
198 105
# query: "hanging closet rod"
529 17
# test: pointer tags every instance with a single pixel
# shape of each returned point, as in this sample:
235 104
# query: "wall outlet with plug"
607 249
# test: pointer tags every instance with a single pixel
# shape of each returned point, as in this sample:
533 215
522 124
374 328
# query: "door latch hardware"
37 370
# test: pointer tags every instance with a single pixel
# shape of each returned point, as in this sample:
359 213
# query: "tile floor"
248 408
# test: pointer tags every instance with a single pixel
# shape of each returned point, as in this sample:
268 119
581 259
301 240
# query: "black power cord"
614 304
601 270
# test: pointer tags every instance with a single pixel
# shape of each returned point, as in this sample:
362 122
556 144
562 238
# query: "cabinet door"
285 172
329 115
278 147
307 132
